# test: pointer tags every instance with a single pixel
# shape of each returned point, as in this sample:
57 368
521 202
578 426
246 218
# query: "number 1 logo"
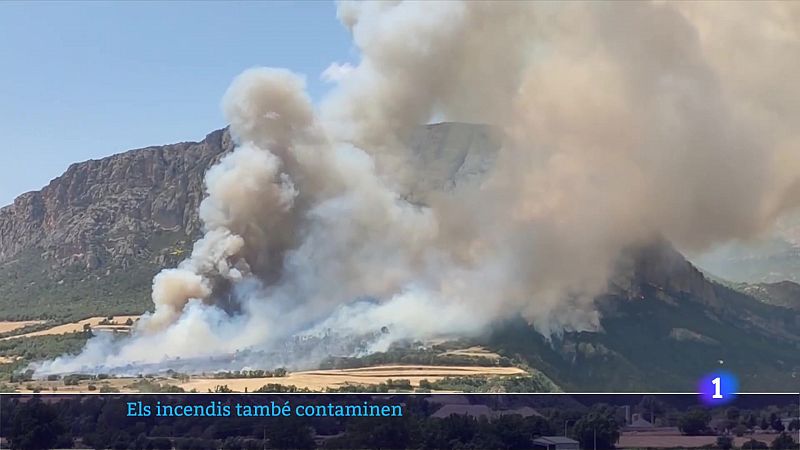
717 382
718 388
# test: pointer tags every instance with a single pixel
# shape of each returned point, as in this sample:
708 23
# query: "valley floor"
314 380
319 380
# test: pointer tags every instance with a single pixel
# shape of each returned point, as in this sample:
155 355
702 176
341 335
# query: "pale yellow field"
315 380
73 327
120 384
318 380
5 327
477 352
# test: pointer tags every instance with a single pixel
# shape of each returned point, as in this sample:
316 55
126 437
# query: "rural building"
476 411
639 424
448 399
525 411
465 409
555 443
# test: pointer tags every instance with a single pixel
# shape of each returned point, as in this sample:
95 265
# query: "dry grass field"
315 380
118 323
318 380
477 352
5 327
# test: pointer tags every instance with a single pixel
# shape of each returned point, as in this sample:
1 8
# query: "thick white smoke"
622 123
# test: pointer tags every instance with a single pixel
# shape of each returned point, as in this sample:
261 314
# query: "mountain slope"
783 293
90 242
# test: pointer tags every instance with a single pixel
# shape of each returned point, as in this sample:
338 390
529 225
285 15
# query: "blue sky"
86 80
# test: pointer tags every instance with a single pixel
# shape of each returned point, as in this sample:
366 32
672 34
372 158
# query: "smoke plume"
621 123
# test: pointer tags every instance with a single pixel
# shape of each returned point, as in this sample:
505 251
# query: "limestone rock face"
108 214
104 214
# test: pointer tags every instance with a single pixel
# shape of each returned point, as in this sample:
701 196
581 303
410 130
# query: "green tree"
784 441
725 442
160 443
290 432
598 426
753 444
34 426
778 426
694 422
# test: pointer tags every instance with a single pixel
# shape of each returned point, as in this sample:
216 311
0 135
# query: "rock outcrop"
106 214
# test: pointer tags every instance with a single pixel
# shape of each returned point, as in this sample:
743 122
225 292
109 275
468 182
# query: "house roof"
448 399
640 423
554 440
463 410
525 411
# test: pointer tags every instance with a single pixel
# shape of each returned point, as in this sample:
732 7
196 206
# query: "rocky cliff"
91 241
105 213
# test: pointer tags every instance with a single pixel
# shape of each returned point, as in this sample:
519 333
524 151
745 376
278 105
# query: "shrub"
753 444
725 442
784 441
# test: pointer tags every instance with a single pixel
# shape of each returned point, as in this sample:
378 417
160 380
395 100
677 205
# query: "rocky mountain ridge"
91 241
103 213
129 215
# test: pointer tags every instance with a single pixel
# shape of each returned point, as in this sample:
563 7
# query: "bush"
753 444
598 426
725 442
160 444
784 441
694 422
75 379
403 384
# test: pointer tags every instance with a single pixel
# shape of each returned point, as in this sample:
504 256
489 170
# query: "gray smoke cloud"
622 123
